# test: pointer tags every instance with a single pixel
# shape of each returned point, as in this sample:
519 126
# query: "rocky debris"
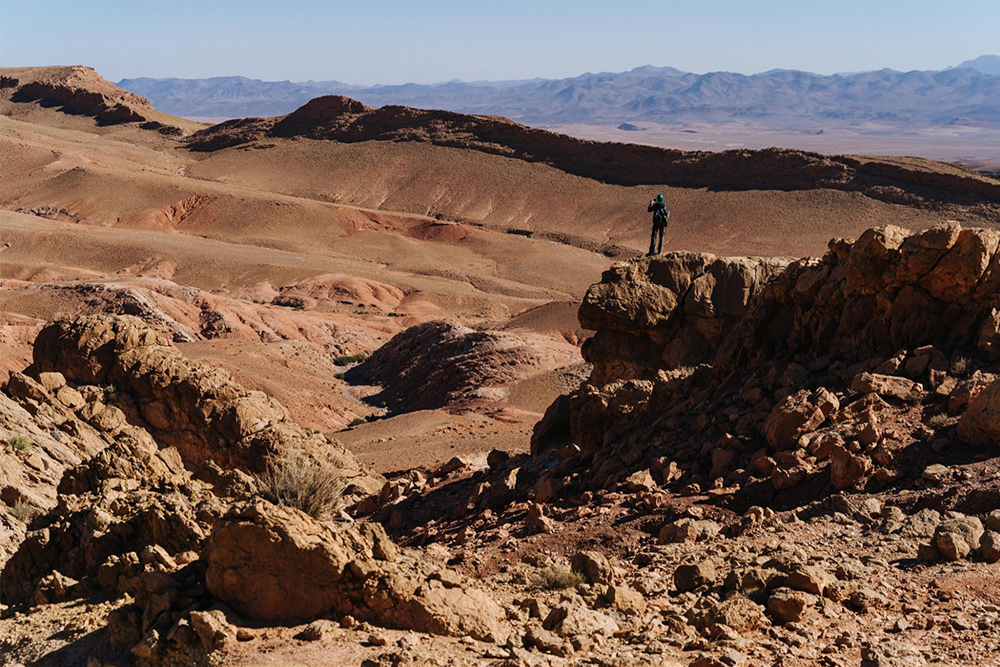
441 364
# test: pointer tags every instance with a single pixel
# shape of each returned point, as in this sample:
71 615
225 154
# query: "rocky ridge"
80 90
338 118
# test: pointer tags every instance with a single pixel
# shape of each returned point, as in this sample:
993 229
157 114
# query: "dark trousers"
657 229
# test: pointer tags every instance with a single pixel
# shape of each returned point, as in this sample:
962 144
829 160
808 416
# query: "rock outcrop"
194 407
80 90
752 372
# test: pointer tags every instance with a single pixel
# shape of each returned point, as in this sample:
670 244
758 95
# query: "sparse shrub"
340 376
555 578
358 421
961 367
24 511
19 444
348 359
941 420
298 481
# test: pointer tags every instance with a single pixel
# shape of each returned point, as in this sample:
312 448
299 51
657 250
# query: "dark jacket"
660 211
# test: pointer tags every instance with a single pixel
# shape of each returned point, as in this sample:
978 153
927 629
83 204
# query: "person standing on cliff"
661 216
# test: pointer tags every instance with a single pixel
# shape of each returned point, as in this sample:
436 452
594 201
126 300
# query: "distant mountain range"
967 94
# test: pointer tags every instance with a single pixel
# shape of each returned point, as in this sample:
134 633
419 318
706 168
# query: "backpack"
661 215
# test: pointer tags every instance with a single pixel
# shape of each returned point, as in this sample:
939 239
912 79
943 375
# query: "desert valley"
387 386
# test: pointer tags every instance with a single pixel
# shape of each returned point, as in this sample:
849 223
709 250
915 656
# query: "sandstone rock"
887 385
537 522
993 521
808 578
921 524
956 538
787 605
640 480
690 576
625 599
593 566
891 653
547 642
798 414
570 620
935 473
989 546
847 469
189 405
980 425
277 564
51 382
738 612
215 632
688 530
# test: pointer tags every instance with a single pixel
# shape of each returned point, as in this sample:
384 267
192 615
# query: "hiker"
661 215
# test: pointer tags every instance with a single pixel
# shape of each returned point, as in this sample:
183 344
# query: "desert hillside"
397 387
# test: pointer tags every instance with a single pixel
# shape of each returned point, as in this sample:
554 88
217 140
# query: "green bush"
349 359
358 421
19 444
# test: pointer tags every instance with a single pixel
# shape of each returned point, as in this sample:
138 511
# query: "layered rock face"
80 90
189 405
789 376
667 312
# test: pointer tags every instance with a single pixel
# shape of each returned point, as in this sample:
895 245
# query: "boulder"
593 566
980 425
689 576
688 530
956 538
800 413
989 546
887 385
787 605
569 620
848 470
277 564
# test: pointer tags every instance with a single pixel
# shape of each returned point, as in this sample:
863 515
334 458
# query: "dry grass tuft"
298 481
24 511
556 578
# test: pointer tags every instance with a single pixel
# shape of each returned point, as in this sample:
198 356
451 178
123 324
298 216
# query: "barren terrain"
548 450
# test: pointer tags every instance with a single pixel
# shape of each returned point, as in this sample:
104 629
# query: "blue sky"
423 41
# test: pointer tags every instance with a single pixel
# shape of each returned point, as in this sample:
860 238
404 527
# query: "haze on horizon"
426 42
